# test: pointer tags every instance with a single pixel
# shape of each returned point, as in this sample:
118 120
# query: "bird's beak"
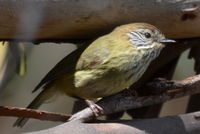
167 41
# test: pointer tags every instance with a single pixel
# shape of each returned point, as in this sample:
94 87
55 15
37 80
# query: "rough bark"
122 101
181 124
82 19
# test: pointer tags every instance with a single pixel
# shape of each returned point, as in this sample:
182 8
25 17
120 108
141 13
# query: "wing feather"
95 55
65 66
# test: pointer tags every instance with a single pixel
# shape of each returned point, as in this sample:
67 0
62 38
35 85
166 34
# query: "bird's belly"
107 85
100 89
85 86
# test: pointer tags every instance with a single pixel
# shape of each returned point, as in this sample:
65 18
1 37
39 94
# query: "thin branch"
122 101
119 102
30 113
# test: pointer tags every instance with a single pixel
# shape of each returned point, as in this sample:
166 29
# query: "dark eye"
147 35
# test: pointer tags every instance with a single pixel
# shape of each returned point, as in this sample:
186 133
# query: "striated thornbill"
107 66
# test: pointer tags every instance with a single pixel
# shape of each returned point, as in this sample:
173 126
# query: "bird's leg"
97 110
83 116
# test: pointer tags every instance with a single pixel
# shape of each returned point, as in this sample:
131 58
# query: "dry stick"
121 102
30 113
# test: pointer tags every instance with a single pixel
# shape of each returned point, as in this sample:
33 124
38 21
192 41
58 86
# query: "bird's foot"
87 114
97 110
84 115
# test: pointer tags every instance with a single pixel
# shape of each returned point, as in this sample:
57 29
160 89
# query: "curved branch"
123 101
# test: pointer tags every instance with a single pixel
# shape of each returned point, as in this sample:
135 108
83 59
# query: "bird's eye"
147 35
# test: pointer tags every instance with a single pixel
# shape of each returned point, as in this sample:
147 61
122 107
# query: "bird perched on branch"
107 66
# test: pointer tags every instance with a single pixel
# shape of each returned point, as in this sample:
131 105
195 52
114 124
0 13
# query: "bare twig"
192 105
30 113
122 101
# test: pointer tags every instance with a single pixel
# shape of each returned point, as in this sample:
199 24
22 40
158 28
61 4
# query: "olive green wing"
95 56
65 66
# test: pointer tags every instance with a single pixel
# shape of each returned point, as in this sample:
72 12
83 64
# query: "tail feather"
46 94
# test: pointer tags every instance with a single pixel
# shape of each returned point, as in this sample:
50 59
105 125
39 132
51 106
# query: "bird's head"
143 35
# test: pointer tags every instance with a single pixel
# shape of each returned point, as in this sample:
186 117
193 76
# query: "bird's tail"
46 94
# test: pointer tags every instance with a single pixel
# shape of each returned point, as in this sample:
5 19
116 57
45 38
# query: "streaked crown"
143 35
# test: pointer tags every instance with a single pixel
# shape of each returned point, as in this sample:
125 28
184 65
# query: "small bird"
107 66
